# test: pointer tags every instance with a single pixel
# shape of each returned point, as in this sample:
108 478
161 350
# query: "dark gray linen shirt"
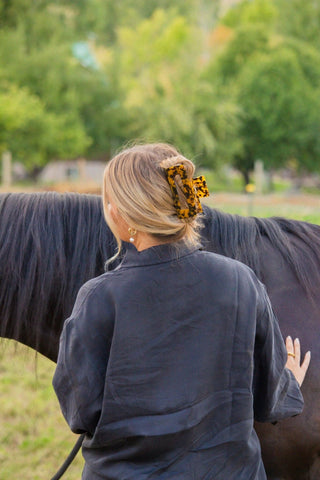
166 361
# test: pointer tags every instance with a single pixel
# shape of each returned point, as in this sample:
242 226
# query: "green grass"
220 182
304 207
217 182
34 438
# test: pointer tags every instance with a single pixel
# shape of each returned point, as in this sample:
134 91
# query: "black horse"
50 244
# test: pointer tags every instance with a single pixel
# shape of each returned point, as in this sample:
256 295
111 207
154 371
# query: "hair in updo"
136 182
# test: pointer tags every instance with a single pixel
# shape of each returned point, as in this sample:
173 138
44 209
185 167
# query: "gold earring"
132 232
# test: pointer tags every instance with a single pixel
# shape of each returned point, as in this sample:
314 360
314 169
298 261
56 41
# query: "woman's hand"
294 357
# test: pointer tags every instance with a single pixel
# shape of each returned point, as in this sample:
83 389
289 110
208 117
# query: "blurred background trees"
226 82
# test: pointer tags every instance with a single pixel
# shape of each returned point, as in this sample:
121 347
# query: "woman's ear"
119 223
113 211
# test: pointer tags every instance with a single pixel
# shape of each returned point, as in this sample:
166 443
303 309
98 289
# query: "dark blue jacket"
166 362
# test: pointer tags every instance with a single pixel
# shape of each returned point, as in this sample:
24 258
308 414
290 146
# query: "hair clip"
192 189
201 186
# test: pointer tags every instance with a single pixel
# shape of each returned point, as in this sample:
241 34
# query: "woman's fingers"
290 348
293 350
300 372
297 351
306 362
294 358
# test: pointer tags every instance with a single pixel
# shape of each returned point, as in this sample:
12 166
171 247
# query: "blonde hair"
136 182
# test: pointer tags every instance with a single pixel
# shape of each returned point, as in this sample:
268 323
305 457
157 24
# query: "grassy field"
299 207
34 438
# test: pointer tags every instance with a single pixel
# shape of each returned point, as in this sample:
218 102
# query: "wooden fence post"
82 164
259 176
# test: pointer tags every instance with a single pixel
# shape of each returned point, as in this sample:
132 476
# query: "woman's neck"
143 241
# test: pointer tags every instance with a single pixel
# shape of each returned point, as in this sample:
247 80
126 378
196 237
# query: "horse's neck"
232 236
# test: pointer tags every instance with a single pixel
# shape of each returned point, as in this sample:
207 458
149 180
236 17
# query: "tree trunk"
246 176
34 173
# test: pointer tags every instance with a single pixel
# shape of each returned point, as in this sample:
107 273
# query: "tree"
166 96
158 80
32 134
106 17
246 44
274 81
300 19
151 63
280 112
247 12
37 58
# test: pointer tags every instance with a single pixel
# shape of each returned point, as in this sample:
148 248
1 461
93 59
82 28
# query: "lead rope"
70 458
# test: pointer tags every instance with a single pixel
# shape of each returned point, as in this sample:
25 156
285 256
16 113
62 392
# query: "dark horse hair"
50 244
241 238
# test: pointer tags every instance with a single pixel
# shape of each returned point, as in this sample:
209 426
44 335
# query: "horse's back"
291 448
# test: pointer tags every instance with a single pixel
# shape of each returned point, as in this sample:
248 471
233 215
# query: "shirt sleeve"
85 342
276 392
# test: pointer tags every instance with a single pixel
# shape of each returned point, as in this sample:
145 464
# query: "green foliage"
32 134
77 107
300 19
166 96
166 38
274 81
248 42
156 74
280 108
307 56
251 12
106 17
162 93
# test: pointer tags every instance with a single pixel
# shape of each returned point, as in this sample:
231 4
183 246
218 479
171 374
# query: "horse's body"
50 244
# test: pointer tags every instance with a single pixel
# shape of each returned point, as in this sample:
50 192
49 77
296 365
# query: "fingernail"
288 337
297 340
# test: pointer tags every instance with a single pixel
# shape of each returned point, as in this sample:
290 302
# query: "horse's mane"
242 238
50 244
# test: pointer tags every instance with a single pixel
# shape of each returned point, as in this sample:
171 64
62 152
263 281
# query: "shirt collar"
153 255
